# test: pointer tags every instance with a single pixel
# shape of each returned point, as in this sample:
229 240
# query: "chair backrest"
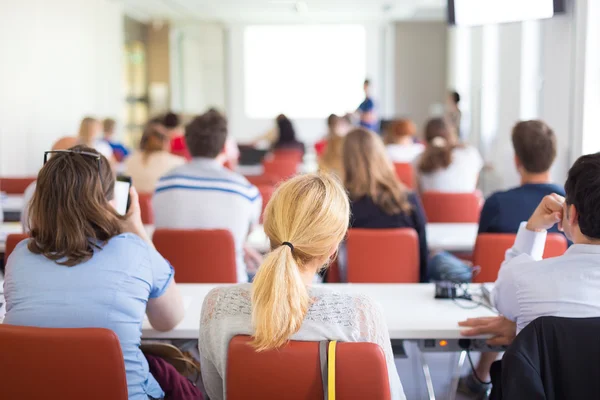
266 191
293 372
383 256
198 256
263 179
16 185
405 173
12 241
452 207
280 168
288 154
490 249
146 208
56 363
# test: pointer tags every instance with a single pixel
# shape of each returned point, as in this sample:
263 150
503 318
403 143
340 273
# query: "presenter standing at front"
366 110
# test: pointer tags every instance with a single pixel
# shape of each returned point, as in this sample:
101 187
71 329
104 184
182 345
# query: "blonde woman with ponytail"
305 221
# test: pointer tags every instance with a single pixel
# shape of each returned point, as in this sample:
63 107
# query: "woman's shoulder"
224 301
340 307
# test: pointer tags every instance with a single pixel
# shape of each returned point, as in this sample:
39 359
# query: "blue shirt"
503 212
110 290
368 105
118 149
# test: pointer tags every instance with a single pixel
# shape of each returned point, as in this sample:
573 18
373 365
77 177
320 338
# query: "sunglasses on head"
95 156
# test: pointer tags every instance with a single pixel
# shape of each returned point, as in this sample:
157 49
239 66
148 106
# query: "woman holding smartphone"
87 266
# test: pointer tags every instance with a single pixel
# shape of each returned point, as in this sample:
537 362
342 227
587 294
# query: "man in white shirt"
203 194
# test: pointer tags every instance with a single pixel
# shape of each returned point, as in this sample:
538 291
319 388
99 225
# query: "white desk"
410 310
12 203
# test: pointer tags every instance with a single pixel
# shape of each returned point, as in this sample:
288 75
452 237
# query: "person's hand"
503 330
548 213
133 220
252 258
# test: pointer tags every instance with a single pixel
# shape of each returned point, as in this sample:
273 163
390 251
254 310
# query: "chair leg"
427 375
456 375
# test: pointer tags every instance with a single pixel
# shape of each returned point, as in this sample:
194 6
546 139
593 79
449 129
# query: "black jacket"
552 359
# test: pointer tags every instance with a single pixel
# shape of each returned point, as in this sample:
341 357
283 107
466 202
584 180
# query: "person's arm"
489 215
167 310
420 220
502 330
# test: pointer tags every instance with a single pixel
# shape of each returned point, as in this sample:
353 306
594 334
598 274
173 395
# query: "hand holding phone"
122 198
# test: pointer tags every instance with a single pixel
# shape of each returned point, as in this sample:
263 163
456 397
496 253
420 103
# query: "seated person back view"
119 150
287 136
87 266
447 165
535 150
205 195
305 221
377 197
400 142
331 159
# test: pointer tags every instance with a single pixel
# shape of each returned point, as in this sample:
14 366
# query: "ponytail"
440 144
435 158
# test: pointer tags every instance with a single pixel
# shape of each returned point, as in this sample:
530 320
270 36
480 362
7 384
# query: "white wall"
59 61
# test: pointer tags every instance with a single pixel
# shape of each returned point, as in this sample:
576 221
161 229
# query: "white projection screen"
303 71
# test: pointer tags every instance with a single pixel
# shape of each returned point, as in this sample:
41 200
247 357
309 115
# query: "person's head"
89 131
108 125
287 134
154 139
581 215
71 212
311 212
369 172
367 86
453 99
535 147
206 135
401 131
65 143
171 120
441 141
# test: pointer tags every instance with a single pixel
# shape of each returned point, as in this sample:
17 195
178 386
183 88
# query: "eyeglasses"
95 156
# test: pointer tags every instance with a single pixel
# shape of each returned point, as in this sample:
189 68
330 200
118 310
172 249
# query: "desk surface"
410 310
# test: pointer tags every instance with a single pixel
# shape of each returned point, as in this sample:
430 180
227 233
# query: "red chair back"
405 173
258 180
288 154
293 372
15 185
12 241
452 207
198 256
383 256
280 169
55 363
146 208
266 191
490 249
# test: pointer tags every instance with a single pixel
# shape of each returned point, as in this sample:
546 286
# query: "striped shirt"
205 195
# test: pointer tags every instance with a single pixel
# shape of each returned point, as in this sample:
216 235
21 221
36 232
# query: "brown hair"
399 130
86 130
369 172
69 214
535 145
206 134
441 141
108 125
153 140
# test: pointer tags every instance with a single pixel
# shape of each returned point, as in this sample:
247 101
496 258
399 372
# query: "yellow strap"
331 370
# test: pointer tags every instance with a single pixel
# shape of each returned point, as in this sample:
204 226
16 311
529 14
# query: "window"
303 71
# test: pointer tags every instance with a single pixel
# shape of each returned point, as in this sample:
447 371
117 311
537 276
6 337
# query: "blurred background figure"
286 135
172 123
453 113
366 110
119 150
331 158
90 135
400 142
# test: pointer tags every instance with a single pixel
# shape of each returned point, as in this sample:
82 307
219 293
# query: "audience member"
378 199
453 113
172 123
446 165
400 140
203 194
287 136
270 137
89 135
152 161
331 158
366 111
87 266
305 221
119 150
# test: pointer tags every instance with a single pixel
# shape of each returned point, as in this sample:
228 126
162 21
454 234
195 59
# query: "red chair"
146 208
56 363
266 191
333 273
383 256
263 179
15 185
280 169
405 173
452 207
12 241
490 249
198 256
288 154
293 372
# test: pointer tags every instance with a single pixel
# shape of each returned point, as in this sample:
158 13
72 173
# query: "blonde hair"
312 213
86 131
369 172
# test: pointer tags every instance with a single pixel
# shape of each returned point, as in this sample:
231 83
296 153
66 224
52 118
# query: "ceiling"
285 11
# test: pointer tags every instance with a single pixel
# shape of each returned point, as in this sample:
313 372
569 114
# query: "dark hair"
367 82
583 191
287 134
455 96
535 145
153 139
69 214
332 120
440 143
171 120
205 136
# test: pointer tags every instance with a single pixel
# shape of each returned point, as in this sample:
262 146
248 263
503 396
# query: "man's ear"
572 215
518 163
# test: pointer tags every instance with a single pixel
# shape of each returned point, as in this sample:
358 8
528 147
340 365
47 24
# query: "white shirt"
103 148
205 195
146 173
461 176
226 312
529 287
400 153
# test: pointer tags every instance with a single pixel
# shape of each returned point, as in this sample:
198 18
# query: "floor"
441 366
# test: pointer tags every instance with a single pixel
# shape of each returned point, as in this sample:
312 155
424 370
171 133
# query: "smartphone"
122 199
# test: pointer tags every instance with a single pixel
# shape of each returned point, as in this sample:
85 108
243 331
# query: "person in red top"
171 121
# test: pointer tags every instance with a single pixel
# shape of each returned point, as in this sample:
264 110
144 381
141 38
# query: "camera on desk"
451 290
